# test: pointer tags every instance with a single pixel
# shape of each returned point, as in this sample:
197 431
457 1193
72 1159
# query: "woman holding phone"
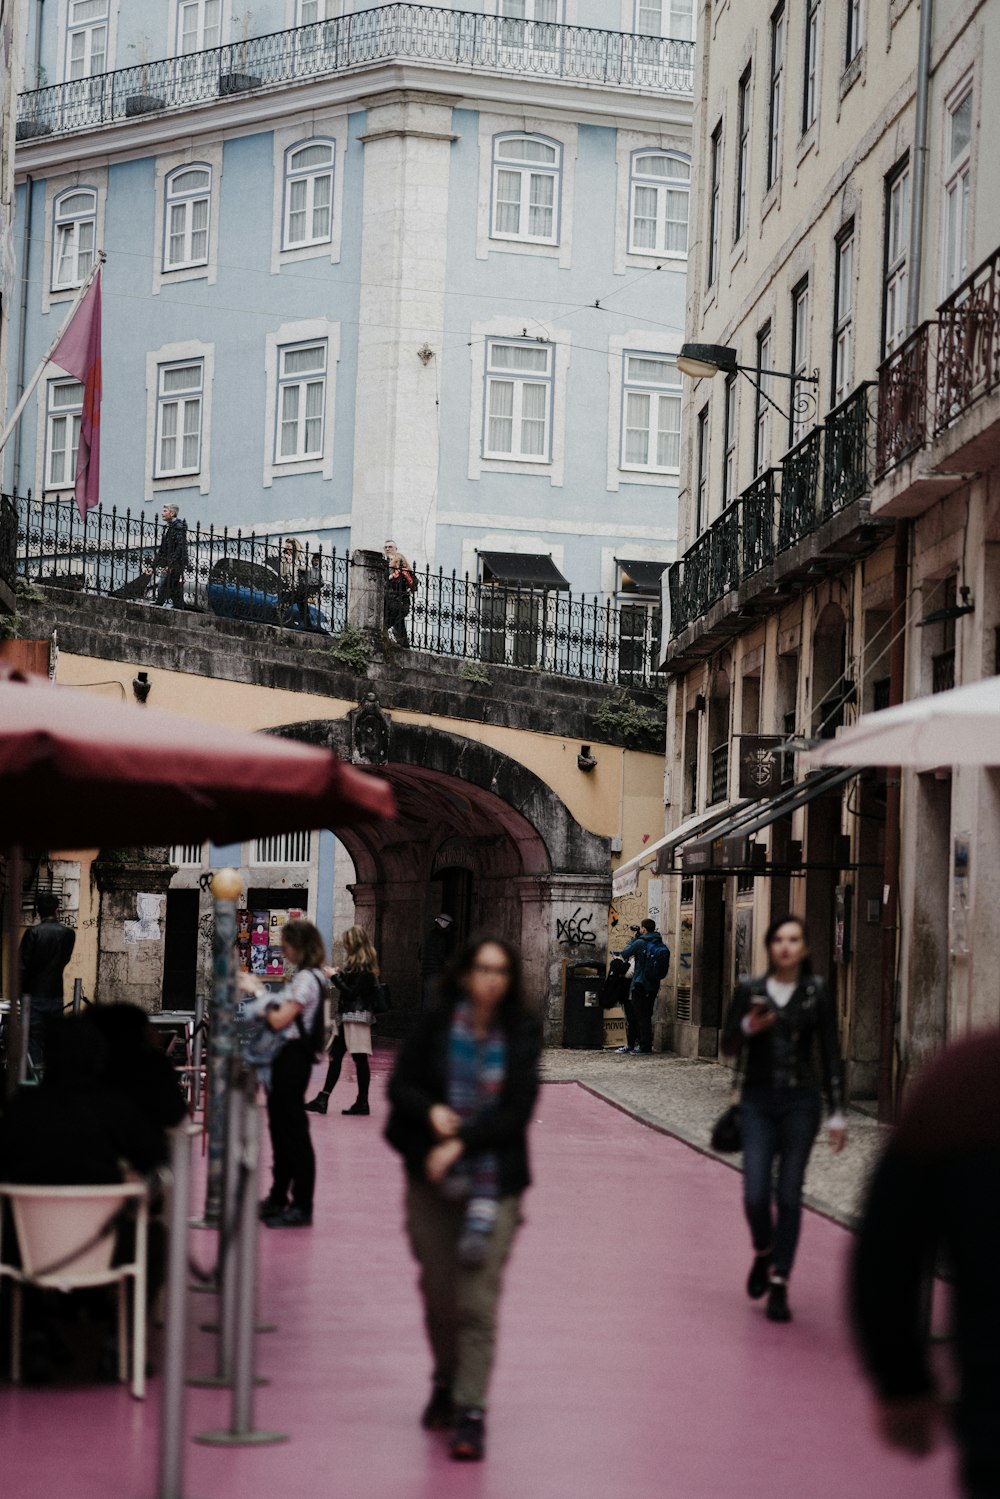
786 1025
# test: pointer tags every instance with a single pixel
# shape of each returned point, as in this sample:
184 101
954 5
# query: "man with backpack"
651 956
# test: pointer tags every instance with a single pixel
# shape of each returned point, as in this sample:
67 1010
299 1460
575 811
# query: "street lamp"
703 361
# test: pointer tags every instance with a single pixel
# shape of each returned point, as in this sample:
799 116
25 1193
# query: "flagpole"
29 388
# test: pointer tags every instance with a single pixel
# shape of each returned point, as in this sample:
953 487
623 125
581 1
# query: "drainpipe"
890 876
22 332
918 195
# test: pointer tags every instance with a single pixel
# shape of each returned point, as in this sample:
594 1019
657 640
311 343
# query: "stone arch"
537 876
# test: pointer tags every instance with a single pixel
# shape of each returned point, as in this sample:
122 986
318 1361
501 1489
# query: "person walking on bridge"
785 1025
462 1094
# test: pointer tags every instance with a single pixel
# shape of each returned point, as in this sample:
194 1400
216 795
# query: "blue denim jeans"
778 1124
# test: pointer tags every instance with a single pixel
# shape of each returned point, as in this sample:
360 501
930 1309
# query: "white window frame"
72 224
676 19
326 10
730 428
762 407
957 192
810 67
742 154
799 366
183 399
662 396
663 186
531 8
304 334
714 205
301 382
205 38
855 38
185 199
526 171
59 416
897 257
310 175
209 157
779 39
845 247
87 31
496 374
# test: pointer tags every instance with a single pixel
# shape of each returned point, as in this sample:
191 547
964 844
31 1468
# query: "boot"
319 1104
359 1107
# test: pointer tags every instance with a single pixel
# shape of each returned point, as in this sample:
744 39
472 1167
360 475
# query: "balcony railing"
290 581
8 541
904 403
423 34
968 343
847 457
798 506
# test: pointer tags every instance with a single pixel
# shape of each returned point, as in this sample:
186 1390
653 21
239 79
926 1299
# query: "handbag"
727 1131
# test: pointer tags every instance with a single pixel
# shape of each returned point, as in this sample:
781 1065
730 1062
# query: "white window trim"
640 179
567 18
898 277
846 325
519 378
637 340
310 330
54 188
799 358
186 199
862 29
174 33
62 39
628 143
525 169
743 157
650 470
333 128
556 133
179 353
191 394
292 8
45 388
951 172
509 328
203 154
776 103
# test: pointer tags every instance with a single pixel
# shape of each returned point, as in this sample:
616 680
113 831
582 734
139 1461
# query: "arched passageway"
478 835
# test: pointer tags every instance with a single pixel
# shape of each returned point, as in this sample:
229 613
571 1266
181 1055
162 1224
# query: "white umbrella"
960 727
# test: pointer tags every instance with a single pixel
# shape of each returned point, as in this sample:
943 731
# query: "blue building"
412 272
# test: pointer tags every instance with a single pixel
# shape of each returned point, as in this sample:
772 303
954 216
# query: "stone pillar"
366 596
130 930
564 918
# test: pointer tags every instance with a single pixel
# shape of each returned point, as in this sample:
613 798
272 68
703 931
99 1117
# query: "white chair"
66 1238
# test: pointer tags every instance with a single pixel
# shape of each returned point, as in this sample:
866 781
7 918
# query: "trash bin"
583 1018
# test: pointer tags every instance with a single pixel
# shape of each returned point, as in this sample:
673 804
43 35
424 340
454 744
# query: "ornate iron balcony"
422 34
904 404
757 509
848 455
968 343
798 511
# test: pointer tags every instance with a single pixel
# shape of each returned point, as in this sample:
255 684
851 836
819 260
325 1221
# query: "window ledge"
897 9
177 481
772 198
807 142
311 465
855 69
739 251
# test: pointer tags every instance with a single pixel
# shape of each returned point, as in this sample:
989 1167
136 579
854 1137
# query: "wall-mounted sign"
760 765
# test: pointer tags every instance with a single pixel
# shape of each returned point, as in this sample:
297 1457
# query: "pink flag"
78 352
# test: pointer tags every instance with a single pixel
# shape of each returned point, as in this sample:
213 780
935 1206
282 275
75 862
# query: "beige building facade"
838 516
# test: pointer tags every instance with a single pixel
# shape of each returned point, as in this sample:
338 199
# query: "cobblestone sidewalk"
684 1097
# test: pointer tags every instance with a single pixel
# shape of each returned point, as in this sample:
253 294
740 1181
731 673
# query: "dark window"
702 496
761 409
800 360
774 95
843 314
729 456
715 206
855 28
895 256
810 78
742 155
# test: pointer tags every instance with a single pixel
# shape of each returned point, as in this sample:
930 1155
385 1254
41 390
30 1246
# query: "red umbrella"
78 771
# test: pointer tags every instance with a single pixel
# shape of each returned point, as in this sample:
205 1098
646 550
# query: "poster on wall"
743 934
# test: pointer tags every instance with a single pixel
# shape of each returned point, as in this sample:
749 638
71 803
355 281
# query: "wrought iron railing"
904 401
725 552
943 671
276 580
719 787
8 541
399 32
292 581
757 505
847 453
968 343
553 630
798 509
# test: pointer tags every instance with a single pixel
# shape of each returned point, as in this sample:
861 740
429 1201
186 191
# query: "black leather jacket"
800 1050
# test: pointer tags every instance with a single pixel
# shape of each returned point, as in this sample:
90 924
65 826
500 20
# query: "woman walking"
462 1094
356 986
297 1016
786 1026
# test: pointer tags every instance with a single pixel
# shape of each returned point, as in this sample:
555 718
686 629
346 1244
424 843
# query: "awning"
626 874
645 575
521 570
726 846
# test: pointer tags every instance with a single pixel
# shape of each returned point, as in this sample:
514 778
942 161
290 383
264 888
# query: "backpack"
657 964
315 1036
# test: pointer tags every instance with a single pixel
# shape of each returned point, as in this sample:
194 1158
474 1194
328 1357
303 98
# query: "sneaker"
290 1218
760 1275
469 1442
319 1104
270 1207
622 1050
356 1108
439 1412
636 1050
778 1309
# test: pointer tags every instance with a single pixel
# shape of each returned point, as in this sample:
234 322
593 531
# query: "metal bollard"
229 1229
241 1431
197 1050
170 1473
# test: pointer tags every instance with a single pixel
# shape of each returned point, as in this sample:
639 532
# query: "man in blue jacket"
642 995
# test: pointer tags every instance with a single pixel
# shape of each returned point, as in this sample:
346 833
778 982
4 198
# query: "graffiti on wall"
576 930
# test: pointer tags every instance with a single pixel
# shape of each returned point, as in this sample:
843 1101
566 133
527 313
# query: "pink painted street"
630 1360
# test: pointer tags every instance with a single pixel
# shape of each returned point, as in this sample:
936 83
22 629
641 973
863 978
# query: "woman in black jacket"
357 988
787 1025
462 1095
